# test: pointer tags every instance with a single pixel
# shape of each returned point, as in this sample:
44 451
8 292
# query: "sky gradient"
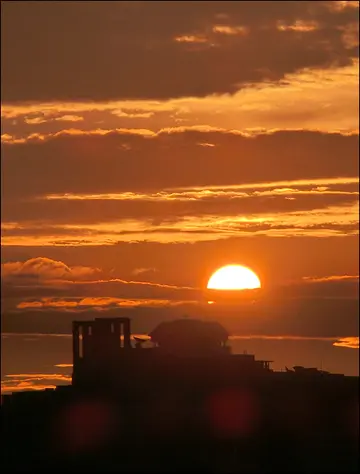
146 144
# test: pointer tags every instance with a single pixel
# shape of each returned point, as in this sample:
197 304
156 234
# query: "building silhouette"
180 400
103 351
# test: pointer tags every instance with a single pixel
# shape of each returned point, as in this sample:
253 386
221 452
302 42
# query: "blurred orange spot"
85 424
232 413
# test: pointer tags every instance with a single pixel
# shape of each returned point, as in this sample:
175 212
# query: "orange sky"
146 144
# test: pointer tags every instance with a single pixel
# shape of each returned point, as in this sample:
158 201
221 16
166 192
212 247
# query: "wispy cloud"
315 186
97 303
140 271
349 342
69 118
6 335
42 268
33 381
331 278
300 26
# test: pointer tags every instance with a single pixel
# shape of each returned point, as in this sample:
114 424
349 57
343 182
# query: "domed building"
190 337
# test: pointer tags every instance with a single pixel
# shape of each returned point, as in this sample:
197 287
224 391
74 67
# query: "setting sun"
234 277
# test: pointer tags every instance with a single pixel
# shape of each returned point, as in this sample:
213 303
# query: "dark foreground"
275 423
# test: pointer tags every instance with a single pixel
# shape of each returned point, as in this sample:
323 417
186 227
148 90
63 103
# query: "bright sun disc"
234 277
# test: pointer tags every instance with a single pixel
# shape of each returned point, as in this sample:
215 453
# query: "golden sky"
146 144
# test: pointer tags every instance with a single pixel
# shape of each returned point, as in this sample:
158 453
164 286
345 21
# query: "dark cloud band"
132 50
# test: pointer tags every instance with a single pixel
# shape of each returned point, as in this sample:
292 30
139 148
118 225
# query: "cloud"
321 100
34 381
42 269
268 157
177 221
48 283
350 342
317 317
32 335
46 118
270 184
29 121
139 271
97 303
69 118
332 278
208 55
38 376
307 308
275 260
174 204
241 337
334 286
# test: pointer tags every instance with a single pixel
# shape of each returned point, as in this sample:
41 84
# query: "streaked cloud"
299 25
337 221
317 186
140 271
69 118
199 202
332 278
196 166
191 39
97 303
31 335
350 342
318 100
230 30
22 382
54 284
354 341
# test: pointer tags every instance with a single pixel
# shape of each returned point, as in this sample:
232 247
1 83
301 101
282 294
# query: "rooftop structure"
104 349
101 338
